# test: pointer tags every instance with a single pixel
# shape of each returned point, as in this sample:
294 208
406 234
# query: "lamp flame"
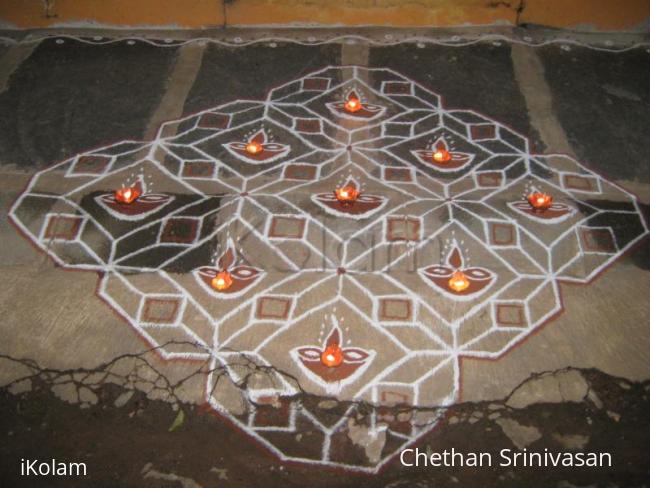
253 147
332 356
458 281
127 195
441 154
346 194
540 201
222 281
353 104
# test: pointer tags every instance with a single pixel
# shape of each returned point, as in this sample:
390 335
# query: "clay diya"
133 202
348 201
227 278
440 157
540 206
347 194
222 281
257 149
253 147
453 278
332 363
540 202
458 282
332 356
352 108
127 195
353 104
441 154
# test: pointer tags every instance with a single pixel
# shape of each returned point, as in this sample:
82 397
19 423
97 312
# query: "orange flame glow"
222 281
458 282
540 201
127 195
253 147
346 194
332 356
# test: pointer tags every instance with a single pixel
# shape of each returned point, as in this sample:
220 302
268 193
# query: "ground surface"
366 277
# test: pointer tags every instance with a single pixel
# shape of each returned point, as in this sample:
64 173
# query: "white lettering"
401 458
36 467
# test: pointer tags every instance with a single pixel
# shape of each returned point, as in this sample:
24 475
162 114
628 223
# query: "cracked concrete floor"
75 344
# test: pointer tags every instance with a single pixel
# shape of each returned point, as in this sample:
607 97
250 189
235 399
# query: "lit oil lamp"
441 154
346 195
127 195
253 147
222 281
332 356
540 201
353 104
458 282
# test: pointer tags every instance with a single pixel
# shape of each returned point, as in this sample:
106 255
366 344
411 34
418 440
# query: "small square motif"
491 179
287 227
597 240
398 174
396 129
481 132
214 121
398 88
316 84
64 227
510 315
198 169
273 308
580 183
182 230
502 234
300 172
395 397
308 125
160 310
403 229
91 164
392 309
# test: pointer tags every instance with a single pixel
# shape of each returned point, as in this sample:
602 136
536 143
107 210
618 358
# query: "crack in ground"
134 371
565 409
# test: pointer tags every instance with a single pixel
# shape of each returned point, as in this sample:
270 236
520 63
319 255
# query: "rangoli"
350 232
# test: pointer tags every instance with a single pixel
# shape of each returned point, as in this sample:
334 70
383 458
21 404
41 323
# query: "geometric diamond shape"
273 308
510 315
63 227
391 309
403 229
181 230
287 227
160 310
